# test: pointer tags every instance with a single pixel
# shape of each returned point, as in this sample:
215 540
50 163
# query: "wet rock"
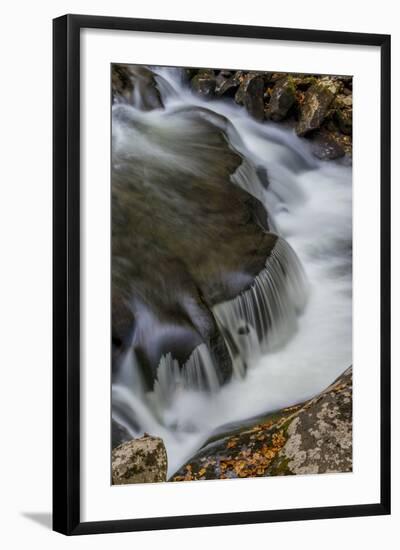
326 147
272 78
204 83
263 176
347 81
343 106
238 453
119 434
189 73
315 105
282 98
251 95
223 76
345 120
228 83
141 460
122 85
311 437
343 101
122 328
135 85
304 82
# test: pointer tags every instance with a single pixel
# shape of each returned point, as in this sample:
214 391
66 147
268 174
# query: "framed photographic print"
221 274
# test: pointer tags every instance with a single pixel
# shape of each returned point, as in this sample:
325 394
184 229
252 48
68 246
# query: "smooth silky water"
298 334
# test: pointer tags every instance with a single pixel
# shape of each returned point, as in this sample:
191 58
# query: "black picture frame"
66 273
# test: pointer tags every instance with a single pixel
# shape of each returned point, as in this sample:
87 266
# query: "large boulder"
314 437
319 436
316 104
141 460
282 99
184 238
251 94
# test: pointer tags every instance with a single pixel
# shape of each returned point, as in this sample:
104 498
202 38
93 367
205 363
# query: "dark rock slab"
135 85
228 83
119 434
251 94
325 146
184 236
282 99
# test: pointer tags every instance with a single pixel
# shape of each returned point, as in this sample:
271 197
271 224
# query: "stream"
309 321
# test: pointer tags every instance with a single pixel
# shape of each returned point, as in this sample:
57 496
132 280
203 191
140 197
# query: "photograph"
231 273
200 251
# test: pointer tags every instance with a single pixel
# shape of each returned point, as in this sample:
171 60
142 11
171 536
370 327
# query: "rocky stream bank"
318 107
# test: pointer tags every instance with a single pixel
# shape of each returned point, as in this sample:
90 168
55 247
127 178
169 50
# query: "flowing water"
308 320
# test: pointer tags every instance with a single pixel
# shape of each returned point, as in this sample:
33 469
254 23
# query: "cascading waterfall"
264 317
199 373
282 333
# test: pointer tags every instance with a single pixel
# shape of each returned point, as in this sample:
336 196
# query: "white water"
310 203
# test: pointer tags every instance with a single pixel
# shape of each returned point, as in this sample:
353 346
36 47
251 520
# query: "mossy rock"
282 99
251 95
315 105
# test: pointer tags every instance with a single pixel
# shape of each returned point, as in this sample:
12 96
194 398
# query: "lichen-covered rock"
319 437
251 95
141 460
315 105
311 437
282 98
